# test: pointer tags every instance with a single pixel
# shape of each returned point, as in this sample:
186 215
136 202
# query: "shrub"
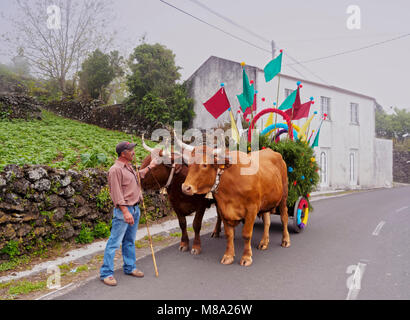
85 236
101 230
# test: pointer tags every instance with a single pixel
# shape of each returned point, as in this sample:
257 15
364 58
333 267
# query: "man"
126 194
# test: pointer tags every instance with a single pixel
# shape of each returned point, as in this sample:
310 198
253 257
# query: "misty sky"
304 29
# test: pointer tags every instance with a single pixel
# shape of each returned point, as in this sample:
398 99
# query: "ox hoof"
215 234
183 248
246 261
227 259
285 243
195 251
262 246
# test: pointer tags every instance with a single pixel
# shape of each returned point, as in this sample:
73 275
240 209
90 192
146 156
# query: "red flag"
299 112
218 104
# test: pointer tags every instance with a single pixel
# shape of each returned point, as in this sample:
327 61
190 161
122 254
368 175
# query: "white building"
349 154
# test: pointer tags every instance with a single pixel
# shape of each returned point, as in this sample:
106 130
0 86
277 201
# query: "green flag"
242 102
248 90
273 68
316 142
289 101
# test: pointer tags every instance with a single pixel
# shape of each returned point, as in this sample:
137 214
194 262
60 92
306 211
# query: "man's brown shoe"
137 273
110 281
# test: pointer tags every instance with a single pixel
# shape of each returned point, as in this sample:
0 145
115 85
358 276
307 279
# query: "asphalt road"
355 247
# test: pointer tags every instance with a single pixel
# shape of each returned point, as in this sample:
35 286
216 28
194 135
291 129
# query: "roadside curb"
99 246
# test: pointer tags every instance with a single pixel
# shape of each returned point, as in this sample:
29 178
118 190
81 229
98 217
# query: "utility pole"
273 49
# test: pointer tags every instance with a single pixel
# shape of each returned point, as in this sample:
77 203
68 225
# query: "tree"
154 91
98 70
393 126
57 34
153 70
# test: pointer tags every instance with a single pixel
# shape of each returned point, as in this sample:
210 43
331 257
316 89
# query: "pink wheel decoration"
265 111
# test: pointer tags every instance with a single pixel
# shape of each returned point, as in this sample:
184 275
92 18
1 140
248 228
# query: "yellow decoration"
242 64
303 129
313 159
234 129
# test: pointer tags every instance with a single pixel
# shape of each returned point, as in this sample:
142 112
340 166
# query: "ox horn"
182 144
145 146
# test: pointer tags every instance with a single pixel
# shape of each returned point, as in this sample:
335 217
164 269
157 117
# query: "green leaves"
60 143
155 93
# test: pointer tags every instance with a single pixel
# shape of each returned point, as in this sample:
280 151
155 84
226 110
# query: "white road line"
401 209
378 228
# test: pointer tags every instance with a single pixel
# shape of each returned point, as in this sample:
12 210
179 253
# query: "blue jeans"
121 234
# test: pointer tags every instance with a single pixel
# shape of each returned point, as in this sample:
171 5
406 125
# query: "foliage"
59 142
298 156
393 126
98 70
25 287
101 230
154 91
103 199
93 159
86 235
11 249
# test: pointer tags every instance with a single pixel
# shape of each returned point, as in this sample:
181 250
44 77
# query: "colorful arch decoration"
279 125
265 111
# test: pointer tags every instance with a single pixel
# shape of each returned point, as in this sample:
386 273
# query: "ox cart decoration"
287 170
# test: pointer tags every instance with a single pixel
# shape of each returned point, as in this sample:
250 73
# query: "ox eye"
204 166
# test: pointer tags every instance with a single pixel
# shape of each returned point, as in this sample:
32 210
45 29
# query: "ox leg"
196 247
230 235
217 229
284 218
184 245
247 231
263 245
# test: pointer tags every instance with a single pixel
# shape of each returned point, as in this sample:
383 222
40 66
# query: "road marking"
401 209
378 228
353 283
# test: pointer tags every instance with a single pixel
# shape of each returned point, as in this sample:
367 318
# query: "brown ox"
241 197
183 204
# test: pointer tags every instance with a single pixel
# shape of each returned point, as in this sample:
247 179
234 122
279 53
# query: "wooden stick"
277 100
146 224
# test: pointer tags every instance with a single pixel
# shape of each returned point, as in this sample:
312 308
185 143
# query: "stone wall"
40 205
19 106
401 166
115 117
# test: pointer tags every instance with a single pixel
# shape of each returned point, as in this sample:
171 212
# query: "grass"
60 142
16 288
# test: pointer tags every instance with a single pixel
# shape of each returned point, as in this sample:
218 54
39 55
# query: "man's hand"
128 218
127 215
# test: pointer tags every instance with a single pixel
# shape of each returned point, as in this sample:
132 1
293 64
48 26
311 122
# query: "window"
354 113
288 92
323 169
325 107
